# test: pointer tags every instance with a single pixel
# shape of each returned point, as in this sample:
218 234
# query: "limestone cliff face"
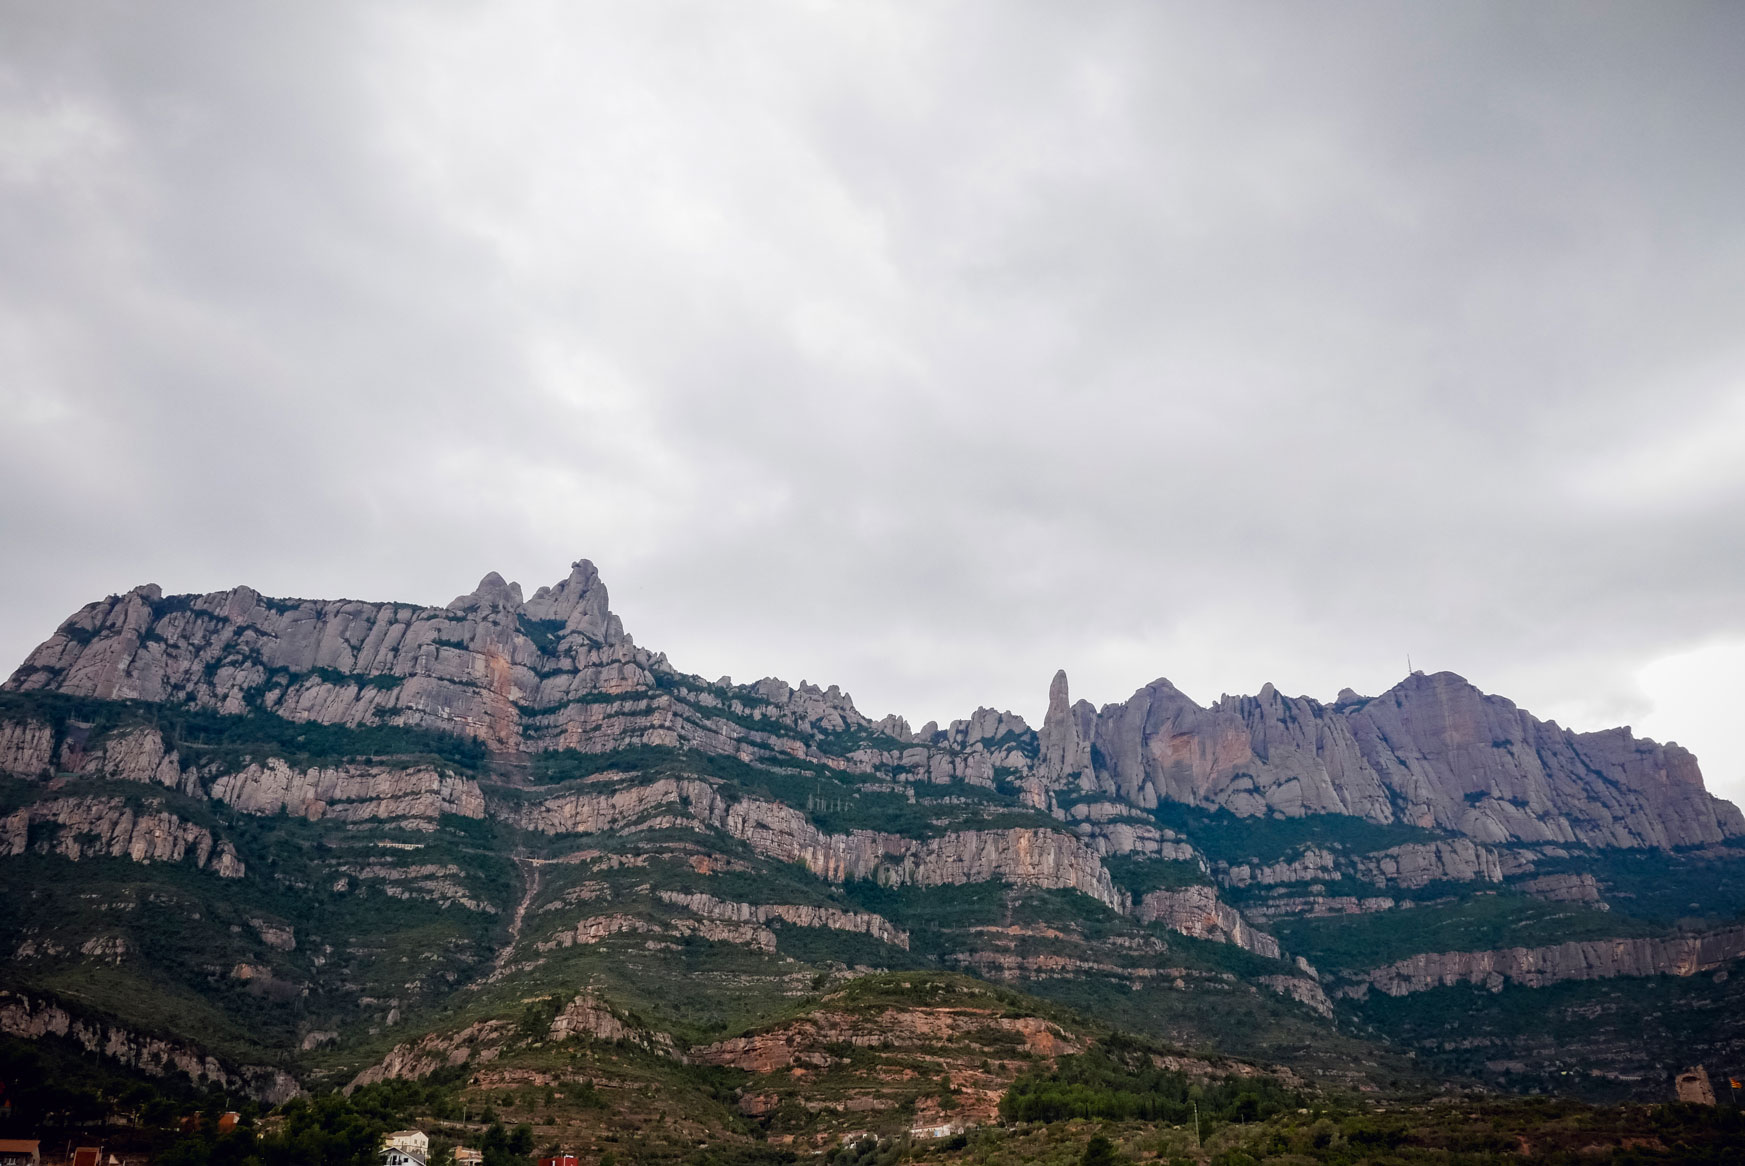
591 812
1564 888
1305 990
1433 751
467 667
1418 864
1197 911
1535 967
32 1019
26 748
134 755
1410 865
800 915
92 826
1027 857
349 793
556 671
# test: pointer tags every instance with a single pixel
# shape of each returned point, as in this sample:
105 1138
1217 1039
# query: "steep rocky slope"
300 833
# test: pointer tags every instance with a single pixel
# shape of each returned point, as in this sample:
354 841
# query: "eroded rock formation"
89 826
33 1018
1535 967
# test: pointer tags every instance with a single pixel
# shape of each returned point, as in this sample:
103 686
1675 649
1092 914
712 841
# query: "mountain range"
280 845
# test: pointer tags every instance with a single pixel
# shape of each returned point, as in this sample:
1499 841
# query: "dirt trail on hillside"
530 873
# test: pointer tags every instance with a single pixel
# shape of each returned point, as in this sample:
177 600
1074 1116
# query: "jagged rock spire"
580 601
1066 733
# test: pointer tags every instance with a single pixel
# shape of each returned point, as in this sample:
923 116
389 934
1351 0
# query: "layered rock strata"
349 793
33 1019
1197 911
799 915
1535 967
93 826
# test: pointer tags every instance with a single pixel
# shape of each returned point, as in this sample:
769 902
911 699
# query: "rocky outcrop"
1197 911
439 883
1411 866
1122 835
1312 865
1037 858
482 1041
349 793
278 936
864 923
588 1016
1433 752
34 1019
27 748
1564 888
136 754
606 809
1303 990
1418 864
599 928
1025 857
1535 967
1268 908
91 826
809 1042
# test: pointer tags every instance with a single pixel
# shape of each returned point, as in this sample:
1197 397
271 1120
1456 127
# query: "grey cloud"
921 351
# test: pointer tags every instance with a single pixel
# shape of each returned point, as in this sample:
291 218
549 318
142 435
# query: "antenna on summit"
1408 663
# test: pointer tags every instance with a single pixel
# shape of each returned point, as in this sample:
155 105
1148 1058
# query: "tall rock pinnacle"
1066 734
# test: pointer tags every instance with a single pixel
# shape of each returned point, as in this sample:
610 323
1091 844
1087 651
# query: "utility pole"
1196 1125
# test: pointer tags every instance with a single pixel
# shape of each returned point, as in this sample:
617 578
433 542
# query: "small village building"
228 1120
560 1160
88 1156
947 1130
410 1141
406 1148
467 1156
20 1152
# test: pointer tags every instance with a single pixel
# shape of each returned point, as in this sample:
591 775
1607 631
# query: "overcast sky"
918 348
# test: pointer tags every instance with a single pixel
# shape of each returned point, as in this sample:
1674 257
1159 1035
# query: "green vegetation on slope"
1482 922
1224 837
202 736
1120 1080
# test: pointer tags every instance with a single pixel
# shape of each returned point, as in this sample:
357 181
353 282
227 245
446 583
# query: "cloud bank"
918 350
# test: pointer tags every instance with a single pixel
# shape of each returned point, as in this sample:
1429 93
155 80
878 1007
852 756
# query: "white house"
411 1141
406 1148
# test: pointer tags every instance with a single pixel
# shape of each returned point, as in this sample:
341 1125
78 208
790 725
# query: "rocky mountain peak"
492 594
580 602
